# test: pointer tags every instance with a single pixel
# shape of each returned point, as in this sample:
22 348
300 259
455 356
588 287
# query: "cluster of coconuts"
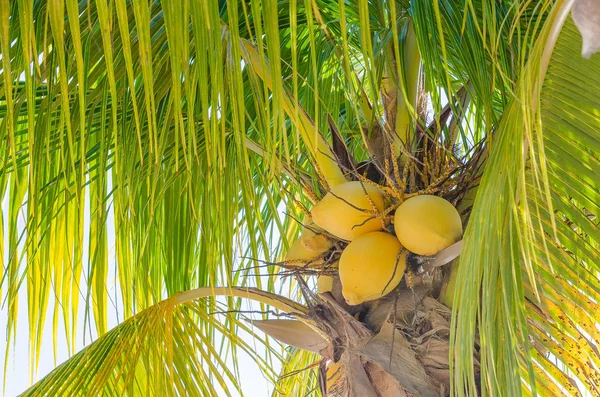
374 261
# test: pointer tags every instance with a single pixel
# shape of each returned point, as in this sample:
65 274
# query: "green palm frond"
531 244
571 156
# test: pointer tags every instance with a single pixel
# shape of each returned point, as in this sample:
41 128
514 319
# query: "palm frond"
99 112
536 313
163 350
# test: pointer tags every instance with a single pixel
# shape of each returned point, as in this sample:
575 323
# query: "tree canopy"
189 137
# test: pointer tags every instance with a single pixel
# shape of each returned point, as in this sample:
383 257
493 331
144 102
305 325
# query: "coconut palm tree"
192 140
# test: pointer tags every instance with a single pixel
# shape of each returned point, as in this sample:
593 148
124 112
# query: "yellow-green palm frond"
531 245
175 347
131 166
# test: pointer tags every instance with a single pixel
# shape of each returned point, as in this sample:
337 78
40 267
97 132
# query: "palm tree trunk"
400 348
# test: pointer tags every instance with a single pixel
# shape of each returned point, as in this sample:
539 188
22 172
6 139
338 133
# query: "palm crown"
203 133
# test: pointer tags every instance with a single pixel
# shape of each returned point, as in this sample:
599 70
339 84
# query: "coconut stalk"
408 64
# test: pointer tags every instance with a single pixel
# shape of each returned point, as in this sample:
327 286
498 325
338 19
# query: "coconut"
313 237
371 267
324 284
347 210
427 224
335 371
298 255
316 242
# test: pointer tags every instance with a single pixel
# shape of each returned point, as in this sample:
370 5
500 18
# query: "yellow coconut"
335 371
371 267
313 239
347 212
298 255
324 284
310 229
316 242
427 224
